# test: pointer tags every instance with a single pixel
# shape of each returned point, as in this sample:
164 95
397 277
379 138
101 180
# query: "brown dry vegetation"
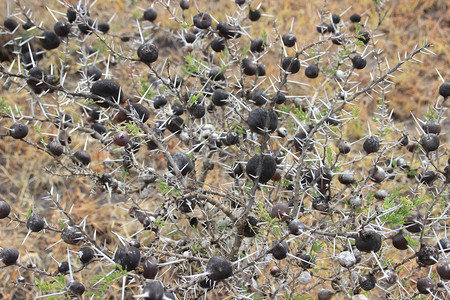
24 171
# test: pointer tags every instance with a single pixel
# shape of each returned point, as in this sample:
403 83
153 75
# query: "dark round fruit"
444 89
76 288
355 18
228 31
257 121
121 138
364 37
64 138
322 28
72 12
85 25
18 130
62 28
175 124
10 24
444 244
325 294
254 14
218 44
289 39
5 209
280 211
312 71
296 227
337 38
344 147
432 127
198 110
320 203
367 282
260 70
377 174
63 267
300 138
219 97
190 37
83 157
99 128
425 285
231 138
150 268
187 205
257 45
414 222
404 140
412 146
371 144
427 177
94 73
35 84
87 254
177 109
275 271
427 255
430 142
347 178
183 162
147 53
381 195
184 4
219 268
251 227
35 223
279 98
268 168
216 74
150 14
27 25
202 20
249 68
109 90
335 18
128 257
9 256
139 111
103 27
258 97
399 241
71 235
280 251
368 242
159 101
153 290
443 268
291 64
359 62
236 170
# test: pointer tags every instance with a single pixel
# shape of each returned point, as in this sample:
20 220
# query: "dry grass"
23 180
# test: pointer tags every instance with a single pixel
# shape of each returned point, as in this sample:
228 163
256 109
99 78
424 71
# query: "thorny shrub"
239 180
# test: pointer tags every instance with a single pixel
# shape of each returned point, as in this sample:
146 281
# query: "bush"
238 170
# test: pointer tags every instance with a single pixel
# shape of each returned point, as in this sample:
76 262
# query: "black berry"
219 97
280 211
109 90
430 142
128 257
359 62
254 14
86 255
367 282
83 157
219 268
355 18
257 120
289 39
268 168
427 255
5 209
425 285
371 144
150 14
368 242
35 223
202 20
18 130
291 64
444 89
159 101
312 71
94 73
280 251
9 256
147 53
183 162
62 28
218 44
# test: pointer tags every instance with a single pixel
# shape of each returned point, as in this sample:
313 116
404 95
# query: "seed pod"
10 24
443 268
219 268
363 36
85 25
50 40
83 157
346 178
427 255
5 209
254 14
371 144
279 98
216 74
228 31
87 254
251 227
432 127
268 168
377 174
147 53
367 282
289 39
335 18
344 147
359 62
150 268
249 67
414 222
9 256
94 73
444 245
184 4
355 18
275 271
444 89
381 195
346 259
150 14
177 109
128 257
257 45
35 223
76 288
427 177
425 285
159 102
218 44
320 203
368 242
257 121
63 267
280 251
175 124
281 211
62 28
312 71
258 97
231 138
296 227
322 28
187 205
430 142
18 130
71 235
202 20
290 64
183 162
109 90
103 27
236 170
